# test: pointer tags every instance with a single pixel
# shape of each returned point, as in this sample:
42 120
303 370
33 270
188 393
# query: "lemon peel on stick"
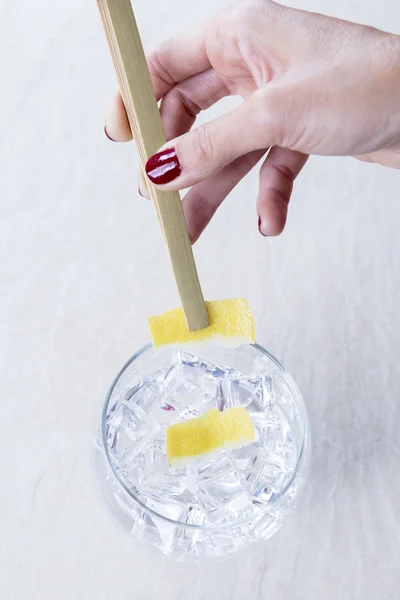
230 318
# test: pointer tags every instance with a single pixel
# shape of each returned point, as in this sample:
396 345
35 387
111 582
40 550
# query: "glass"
218 504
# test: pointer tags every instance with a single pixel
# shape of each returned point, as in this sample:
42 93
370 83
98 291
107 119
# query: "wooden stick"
145 121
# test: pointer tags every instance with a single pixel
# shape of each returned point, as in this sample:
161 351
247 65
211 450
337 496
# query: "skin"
311 84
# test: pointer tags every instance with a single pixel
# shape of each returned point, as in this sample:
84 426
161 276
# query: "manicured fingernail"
163 167
259 227
106 133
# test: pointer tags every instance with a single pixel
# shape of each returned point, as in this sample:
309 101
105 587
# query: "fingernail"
259 227
163 167
139 192
106 133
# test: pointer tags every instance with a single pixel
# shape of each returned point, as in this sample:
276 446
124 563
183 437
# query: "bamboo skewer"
145 122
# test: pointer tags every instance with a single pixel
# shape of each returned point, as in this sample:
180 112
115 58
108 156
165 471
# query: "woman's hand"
311 85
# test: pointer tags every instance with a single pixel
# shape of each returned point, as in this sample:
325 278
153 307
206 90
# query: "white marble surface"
82 266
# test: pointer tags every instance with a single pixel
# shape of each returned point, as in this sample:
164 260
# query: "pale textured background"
83 265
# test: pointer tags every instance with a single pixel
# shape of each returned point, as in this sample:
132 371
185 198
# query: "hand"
311 85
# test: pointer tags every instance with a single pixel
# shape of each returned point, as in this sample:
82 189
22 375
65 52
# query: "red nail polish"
163 167
259 227
106 134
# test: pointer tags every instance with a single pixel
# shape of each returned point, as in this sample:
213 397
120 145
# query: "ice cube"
266 477
170 399
221 491
188 498
144 395
170 380
188 412
195 515
243 390
137 422
170 406
118 442
158 479
157 378
277 435
221 397
285 432
235 537
215 372
145 530
191 372
266 397
192 514
186 358
127 430
191 539
186 386
214 468
261 365
157 528
132 472
253 393
180 381
243 455
208 396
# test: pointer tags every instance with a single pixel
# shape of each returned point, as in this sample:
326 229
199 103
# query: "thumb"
196 155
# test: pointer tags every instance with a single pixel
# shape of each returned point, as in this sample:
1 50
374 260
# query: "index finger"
178 58
175 60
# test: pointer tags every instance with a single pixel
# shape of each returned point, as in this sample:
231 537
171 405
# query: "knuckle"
155 61
284 174
189 106
278 114
202 146
249 13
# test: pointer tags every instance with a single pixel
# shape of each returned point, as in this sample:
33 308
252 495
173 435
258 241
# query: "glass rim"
211 527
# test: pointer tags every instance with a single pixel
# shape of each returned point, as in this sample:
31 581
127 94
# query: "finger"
195 156
386 157
178 108
117 127
202 201
178 58
181 105
277 175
